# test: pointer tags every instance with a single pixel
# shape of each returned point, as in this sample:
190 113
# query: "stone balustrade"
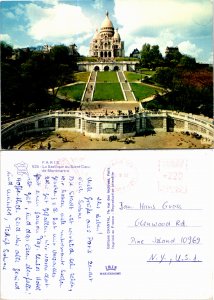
103 124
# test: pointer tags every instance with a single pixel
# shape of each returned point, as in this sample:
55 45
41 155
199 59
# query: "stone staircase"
89 88
125 86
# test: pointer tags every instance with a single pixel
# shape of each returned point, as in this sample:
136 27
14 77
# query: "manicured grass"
132 77
81 76
108 91
142 91
108 76
146 71
126 59
73 91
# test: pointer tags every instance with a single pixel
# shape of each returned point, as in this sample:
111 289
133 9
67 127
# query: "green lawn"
142 91
147 72
108 91
108 76
73 91
81 76
126 59
132 77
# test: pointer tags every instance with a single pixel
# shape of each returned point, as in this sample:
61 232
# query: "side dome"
116 35
96 35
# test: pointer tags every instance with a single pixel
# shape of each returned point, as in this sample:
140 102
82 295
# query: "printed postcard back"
106 225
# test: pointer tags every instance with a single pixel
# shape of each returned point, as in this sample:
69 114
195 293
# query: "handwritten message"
69 227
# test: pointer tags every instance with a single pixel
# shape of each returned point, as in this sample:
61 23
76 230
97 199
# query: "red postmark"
122 173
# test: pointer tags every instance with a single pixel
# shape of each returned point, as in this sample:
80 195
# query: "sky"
186 24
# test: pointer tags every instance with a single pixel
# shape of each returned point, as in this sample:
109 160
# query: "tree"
173 56
58 76
6 50
188 62
26 81
60 54
145 55
35 73
156 58
164 76
22 55
151 56
191 91
11 87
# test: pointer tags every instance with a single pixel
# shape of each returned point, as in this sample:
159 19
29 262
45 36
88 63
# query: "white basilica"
106 43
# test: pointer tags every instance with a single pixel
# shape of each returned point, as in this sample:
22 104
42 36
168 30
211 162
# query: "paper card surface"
106 225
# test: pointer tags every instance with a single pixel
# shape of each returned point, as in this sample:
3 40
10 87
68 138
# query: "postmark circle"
122 172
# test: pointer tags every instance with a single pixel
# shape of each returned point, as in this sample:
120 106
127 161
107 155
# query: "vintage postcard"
81 75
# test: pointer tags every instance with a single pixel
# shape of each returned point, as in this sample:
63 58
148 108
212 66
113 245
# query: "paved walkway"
90 87
121 76
125 86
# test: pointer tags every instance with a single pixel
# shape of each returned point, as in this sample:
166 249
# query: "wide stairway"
90 86
125 86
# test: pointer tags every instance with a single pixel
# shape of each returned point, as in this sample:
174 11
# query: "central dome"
107 22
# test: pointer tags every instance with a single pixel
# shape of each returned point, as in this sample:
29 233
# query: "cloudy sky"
183 23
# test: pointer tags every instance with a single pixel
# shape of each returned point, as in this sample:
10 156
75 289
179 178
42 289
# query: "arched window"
96 68
106 68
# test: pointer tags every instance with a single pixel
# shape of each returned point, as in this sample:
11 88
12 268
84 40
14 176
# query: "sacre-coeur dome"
106 43
116 35
96 35
107 22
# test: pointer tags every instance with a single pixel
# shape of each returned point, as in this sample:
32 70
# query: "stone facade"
106 48
106 43
107 66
